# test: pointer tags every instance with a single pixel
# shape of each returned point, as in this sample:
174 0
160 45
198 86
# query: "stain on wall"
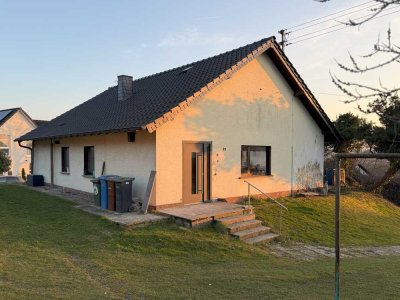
309 176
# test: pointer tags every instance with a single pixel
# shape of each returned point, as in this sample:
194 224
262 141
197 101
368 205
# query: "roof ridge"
195 62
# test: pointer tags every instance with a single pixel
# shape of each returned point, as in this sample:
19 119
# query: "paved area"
9 179
85 201
310 252
202 210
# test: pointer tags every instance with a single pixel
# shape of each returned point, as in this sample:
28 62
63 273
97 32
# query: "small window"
256 160
88 160
4 144
65 159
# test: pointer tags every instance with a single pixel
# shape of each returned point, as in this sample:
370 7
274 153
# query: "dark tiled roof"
153 96
5 114
40 122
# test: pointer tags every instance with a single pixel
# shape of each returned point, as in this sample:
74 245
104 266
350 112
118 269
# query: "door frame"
209 169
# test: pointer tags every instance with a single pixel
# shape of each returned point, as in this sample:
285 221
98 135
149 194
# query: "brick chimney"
125 87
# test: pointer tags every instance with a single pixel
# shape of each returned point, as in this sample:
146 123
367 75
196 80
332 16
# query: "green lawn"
49 249
366 219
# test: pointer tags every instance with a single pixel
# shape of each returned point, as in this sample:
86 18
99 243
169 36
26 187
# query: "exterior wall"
135 159
255 106
41 159
14 127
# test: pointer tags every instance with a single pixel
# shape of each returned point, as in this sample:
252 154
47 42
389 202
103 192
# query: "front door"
196 172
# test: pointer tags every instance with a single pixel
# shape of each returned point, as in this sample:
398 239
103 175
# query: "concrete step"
236 212
235 227
261 238
235 219
253 232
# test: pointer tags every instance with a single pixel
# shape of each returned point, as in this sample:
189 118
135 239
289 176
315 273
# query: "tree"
5 162
354 130
382 6
383 101
387 52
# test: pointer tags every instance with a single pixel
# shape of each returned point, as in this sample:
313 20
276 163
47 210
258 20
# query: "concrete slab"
9 179
200 211
123 219
85 202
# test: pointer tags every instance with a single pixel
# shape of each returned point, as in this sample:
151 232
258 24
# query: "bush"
5 162
23 174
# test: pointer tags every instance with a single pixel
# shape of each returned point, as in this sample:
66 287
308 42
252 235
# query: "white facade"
17 125
256 106
128 159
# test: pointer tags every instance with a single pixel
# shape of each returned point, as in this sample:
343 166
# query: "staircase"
245 227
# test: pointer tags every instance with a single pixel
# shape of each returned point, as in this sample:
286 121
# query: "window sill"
64 173
244 176
88 176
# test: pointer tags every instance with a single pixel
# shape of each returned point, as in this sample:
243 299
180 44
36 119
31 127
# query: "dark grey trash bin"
35 180
123 193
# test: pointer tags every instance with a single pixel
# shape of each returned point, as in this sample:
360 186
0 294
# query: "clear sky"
56 54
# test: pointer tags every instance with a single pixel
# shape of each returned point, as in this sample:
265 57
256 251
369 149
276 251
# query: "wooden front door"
196 172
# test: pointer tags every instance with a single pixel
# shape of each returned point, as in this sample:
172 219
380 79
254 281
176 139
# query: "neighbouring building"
15 122
204 127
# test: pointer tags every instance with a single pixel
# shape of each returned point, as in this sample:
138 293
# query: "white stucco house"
204 127
15 122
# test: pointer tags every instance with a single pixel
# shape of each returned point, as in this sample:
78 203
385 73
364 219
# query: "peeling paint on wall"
309 176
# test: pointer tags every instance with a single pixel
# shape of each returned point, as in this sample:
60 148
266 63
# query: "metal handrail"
277 202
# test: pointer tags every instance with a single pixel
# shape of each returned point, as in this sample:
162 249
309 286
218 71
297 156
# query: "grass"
49 249
366 219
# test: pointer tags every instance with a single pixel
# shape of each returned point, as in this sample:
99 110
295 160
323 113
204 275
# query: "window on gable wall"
256 160
65 159
88 160
4 144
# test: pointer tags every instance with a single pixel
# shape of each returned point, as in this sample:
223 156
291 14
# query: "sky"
55 55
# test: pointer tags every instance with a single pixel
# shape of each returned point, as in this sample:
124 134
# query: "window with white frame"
88 162
65 159
5 144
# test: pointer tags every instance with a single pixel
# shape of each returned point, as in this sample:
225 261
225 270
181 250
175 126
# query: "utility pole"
283 39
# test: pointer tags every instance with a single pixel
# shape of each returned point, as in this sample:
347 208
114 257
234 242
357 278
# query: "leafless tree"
382 100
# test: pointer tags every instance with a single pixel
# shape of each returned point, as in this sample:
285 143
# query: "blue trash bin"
330 176
104 190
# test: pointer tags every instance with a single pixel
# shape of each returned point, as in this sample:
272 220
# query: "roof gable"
6 114
156 99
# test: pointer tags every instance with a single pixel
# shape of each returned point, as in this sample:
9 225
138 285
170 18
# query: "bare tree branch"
383 5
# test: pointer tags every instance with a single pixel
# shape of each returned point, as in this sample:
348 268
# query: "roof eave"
22 138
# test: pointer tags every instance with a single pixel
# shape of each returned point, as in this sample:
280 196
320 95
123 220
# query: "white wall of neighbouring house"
256 106
17 125
123 158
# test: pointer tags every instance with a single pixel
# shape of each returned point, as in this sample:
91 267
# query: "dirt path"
309 252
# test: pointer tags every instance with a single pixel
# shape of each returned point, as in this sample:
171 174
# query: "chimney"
125 87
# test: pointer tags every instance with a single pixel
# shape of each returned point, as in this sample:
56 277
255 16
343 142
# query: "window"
4 144
88 160
65 159
256 160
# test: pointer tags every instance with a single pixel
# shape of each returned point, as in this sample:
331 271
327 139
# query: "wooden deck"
203 213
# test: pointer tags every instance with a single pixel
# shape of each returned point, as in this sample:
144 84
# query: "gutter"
26 147
32 158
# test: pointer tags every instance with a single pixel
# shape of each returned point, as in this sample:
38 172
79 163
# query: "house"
15 122
204 127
